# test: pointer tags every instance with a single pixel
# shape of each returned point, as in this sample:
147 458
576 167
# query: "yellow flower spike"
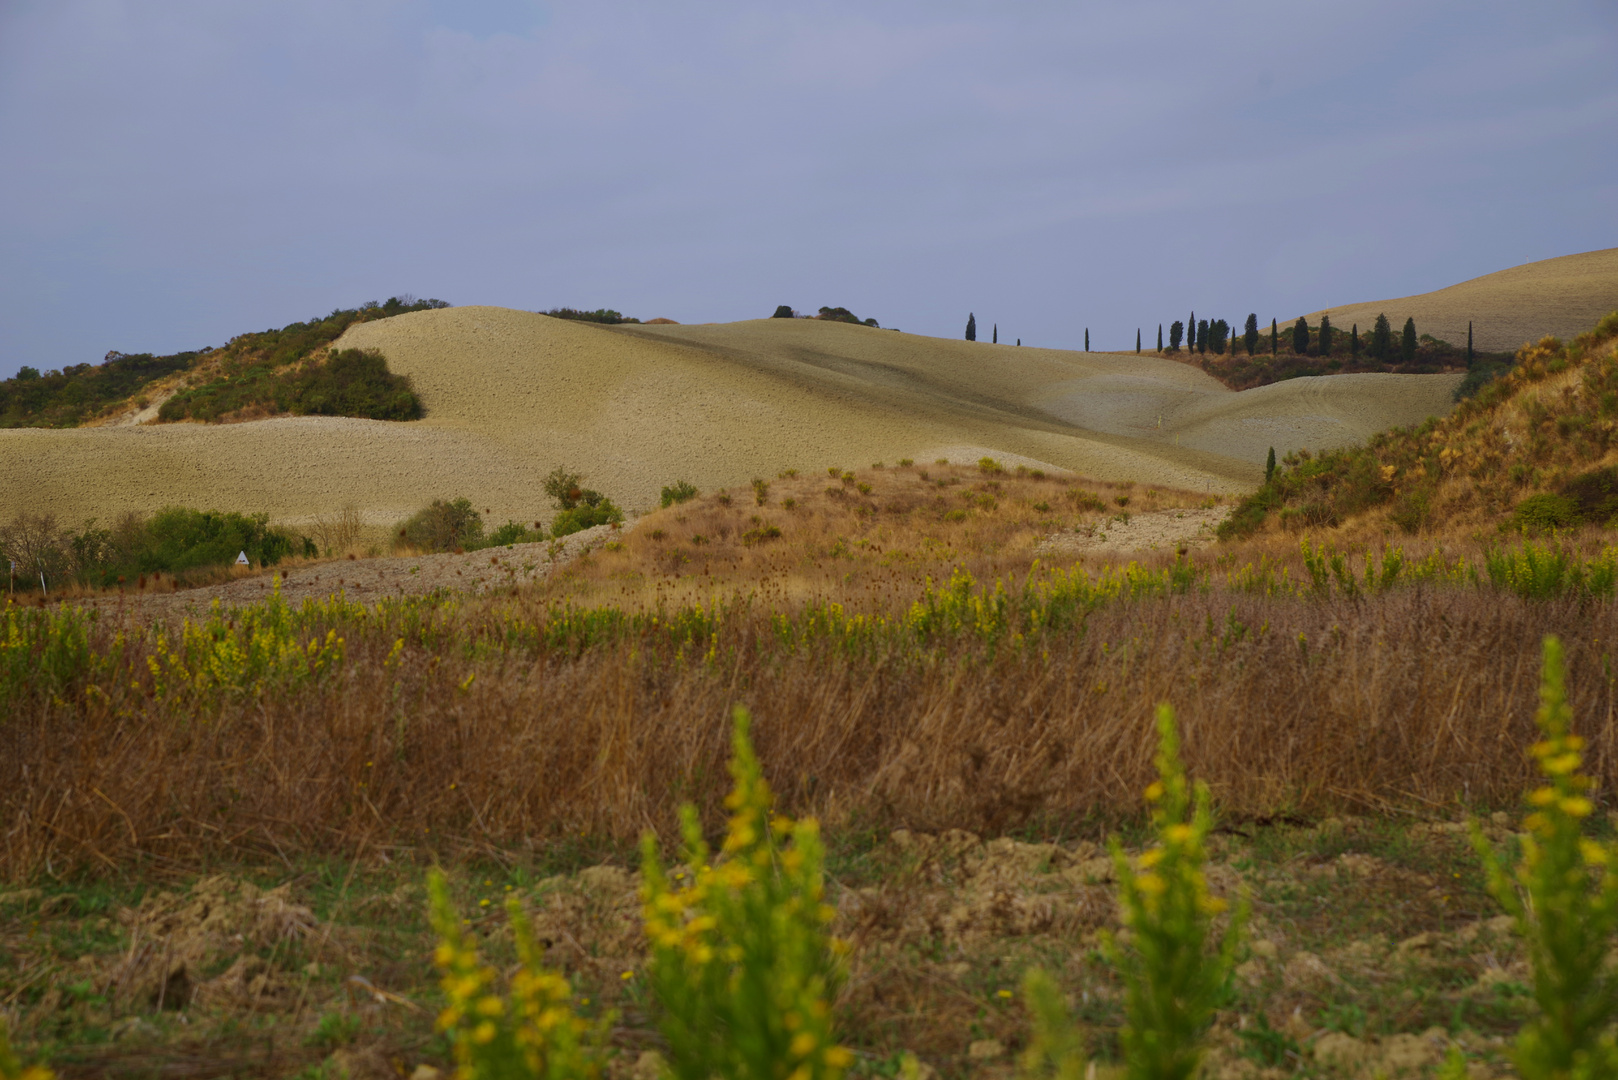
1151 858
1542 796
803 1044
1576 806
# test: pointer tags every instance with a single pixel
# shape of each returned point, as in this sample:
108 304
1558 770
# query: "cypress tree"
1202 337
971 327
1176 335
1469 343
1159 337
1325 335
1354 340
1273 338
995 335
1137 341
1086 339
1218 332
1381 339
1300 336
1407 346
1250 334
1269 466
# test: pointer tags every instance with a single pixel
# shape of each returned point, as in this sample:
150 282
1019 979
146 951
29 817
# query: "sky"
175 172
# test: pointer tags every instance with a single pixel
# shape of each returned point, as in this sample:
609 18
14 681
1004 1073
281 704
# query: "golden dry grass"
1559 297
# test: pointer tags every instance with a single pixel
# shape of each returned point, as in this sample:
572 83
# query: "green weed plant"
741 962
1563 895
1175 969
532 1032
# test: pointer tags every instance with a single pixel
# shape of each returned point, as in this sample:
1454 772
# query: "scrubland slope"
1537 449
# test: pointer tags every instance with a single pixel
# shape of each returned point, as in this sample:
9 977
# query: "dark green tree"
1159 337
1176 335
1202 336
971 327
1269 466
994 334
1354 341
1300 336
1274 338
1381 339
1325 335
1407 346
1086 339
1250 335
784 311
1137 341
1218 334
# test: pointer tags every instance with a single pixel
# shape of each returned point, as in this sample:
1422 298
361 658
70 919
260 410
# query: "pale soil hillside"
510 394
1564 297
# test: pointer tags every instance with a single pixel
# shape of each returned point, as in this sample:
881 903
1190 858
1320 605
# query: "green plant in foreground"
741 963
1171 977
1056 1046
1563 894
11 1068
533 1033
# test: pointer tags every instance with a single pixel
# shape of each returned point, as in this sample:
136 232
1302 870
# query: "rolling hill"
1561 297
509 394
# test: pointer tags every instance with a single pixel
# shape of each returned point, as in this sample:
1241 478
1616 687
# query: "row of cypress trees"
1206 336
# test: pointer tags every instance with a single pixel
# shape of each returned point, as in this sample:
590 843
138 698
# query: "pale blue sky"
179 171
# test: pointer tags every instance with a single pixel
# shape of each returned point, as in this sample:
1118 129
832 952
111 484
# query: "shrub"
679 492
350 383
1479 376
443 526
1176 335
741 964
600 315
784 311
1595 494
514 532
586 516
1563 897
1545 512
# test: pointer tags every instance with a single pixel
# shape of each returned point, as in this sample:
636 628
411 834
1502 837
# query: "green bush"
581 508
253 376
1546 512
443 526
350 383
600 315
680 492
783 311
81 392
514 532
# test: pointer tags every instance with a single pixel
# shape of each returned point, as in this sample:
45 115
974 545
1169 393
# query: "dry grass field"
1560 297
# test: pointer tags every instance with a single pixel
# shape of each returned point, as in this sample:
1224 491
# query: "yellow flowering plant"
530 1033
1563 894
13 1069
1056 1044
741 962
1173 973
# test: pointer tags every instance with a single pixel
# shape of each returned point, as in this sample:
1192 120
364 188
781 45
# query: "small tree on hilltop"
971 327
1202 336
1218 333
1354 341
1325 335
1300 336
994 334
1250 335
1086 339
782 312
1137 340
1274 338
1407 346
1381 339
1159 337
1176 335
